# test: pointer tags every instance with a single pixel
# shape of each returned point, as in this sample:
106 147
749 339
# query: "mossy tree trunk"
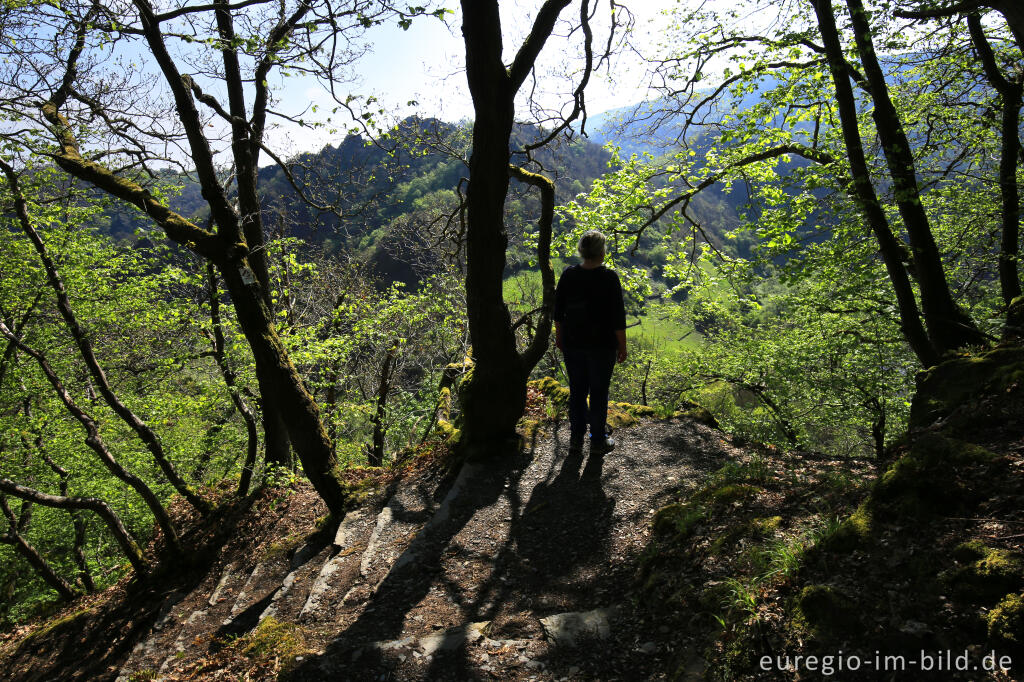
236 247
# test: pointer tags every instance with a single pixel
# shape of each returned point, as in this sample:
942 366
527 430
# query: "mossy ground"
273 645
928 556
547 401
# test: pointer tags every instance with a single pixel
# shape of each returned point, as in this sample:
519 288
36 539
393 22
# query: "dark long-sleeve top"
589 307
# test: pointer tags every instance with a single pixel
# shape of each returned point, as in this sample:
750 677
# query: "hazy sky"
426 62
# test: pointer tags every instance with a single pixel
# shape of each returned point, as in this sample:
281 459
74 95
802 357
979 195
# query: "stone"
228 573
453 638
565 629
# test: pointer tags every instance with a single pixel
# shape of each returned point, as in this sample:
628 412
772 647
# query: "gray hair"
591 245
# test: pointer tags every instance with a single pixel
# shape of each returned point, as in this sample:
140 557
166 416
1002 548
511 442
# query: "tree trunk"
229 252
376 457
891 250
229 380
277 376
245 150
495 397
1010 92
1013 12
496 393
949 328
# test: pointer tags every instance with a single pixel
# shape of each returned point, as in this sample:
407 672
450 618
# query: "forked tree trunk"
495 397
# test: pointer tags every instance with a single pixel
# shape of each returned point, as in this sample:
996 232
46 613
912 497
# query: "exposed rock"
453 638
566 629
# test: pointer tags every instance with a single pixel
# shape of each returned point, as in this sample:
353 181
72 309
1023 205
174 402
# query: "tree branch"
101 508
543 25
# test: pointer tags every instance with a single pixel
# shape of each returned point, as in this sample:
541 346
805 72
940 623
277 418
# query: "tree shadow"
567 512
479 485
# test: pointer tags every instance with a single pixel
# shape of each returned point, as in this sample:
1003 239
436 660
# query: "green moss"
699 414
1006 622
444 404
56 627
283 547
988 578
970 551
636 411
677 520
825 610
764 526
954 383
925 480
143 675
728 493
274 639
853 533
447 431
361 490
555 392
530 427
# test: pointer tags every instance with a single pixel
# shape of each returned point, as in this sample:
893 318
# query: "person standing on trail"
590 330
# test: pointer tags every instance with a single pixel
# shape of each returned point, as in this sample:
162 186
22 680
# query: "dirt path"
522 572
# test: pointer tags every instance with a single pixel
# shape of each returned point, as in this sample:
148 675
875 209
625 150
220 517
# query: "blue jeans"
590 373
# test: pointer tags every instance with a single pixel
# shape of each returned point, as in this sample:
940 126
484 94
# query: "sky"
425 64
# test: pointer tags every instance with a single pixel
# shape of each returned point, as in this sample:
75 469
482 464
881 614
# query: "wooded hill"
832 364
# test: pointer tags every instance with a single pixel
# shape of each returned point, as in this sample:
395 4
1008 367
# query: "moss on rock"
967 552
766 525
988 578
1006 622
728 493
699 414
925 480
854 532
943 389
677 520
54 629
274 639
362 489
554 391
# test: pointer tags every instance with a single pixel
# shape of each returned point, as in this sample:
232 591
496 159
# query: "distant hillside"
391 203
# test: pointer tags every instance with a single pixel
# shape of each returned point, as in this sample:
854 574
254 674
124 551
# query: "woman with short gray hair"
590 329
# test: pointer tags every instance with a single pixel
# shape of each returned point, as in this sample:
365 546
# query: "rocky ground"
677 556
526 571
